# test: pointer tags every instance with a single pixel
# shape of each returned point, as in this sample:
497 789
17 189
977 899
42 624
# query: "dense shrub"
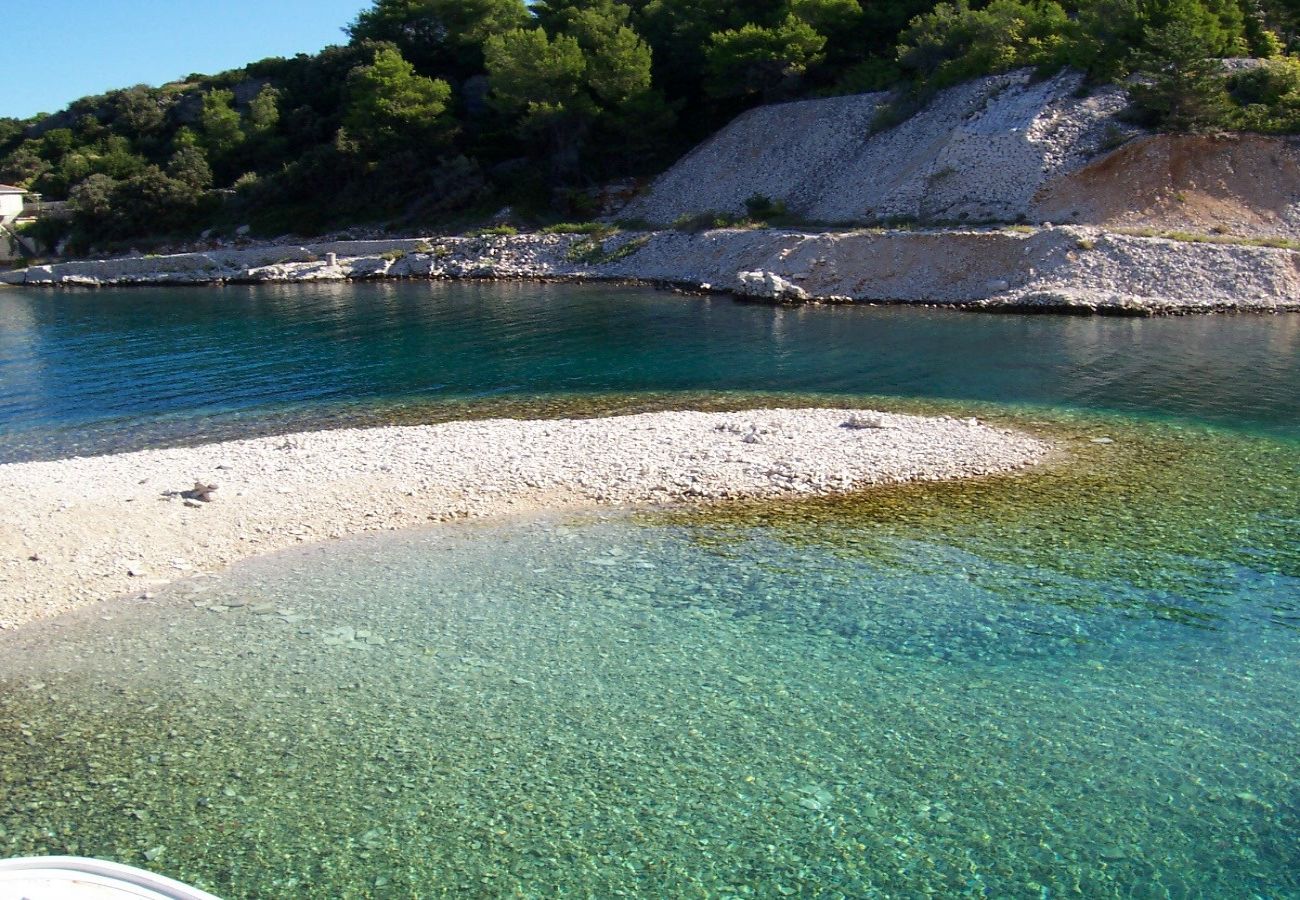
955 42
1268 97
762 208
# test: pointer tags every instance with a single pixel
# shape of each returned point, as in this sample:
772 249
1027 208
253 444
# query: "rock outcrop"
767 286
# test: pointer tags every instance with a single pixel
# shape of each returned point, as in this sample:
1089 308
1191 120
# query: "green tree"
92 200
11 132
152 203
955 42
439 37
220 127
75 167
828 17
618 62
139 111
24 165
1269 97
113 156
264 111
57 142
390 108
767 62
190 165
626 116
1281 18
679 32
1184 88
541 81
1109 35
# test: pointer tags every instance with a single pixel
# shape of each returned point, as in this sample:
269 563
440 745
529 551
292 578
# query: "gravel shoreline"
83 530
1048 269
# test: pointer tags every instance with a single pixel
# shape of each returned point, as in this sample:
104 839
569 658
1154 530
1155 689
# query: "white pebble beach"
79 531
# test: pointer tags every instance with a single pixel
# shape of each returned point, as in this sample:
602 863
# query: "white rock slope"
979 151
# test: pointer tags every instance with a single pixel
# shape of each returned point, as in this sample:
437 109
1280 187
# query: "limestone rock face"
768 286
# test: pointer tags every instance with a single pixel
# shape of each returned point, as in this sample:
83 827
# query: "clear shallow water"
87 372
1082 681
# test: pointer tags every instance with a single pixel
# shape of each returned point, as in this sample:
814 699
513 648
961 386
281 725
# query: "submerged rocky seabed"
1080 681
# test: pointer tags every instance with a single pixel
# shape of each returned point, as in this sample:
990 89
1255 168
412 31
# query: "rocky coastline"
83 530
1071 269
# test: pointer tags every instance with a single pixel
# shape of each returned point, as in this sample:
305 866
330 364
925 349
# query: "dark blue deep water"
86 372
1081 681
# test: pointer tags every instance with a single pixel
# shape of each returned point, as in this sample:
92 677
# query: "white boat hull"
74 878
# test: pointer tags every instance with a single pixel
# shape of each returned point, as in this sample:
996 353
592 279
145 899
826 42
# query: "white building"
11 203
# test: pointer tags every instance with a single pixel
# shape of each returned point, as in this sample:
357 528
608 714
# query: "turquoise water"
1080 681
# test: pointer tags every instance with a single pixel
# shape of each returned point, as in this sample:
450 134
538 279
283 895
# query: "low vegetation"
494 231
1191 237
592 251
598 230
438 111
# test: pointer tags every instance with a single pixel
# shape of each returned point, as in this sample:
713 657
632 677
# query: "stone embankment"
80 530
1052 269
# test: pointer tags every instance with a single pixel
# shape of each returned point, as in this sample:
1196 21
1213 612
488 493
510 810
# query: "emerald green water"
1079 681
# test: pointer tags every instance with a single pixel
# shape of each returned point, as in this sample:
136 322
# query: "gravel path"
82 530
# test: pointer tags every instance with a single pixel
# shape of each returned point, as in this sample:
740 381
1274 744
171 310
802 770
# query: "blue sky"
67 49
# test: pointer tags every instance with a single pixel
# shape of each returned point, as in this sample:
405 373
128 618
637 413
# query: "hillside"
1006 148
437 113
1005 192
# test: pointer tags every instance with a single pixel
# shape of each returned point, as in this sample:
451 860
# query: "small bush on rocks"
764 209
592 251
595 229
707 221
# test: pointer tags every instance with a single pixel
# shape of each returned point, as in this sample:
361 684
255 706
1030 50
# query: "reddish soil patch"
1240 184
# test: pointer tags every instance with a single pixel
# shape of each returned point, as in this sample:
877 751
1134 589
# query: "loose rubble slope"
1007 148
979 151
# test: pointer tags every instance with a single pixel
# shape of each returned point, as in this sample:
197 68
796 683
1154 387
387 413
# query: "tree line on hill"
435 109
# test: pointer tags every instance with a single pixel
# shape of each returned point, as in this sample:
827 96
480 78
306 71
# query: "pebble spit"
82 530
